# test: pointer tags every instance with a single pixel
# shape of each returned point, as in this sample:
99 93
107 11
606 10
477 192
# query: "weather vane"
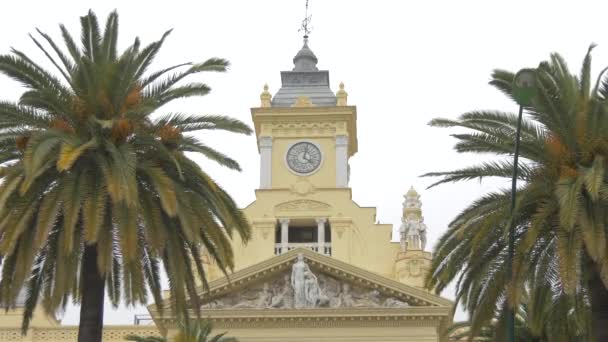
305 23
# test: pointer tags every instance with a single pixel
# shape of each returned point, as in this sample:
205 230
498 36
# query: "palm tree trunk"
90 328
599 307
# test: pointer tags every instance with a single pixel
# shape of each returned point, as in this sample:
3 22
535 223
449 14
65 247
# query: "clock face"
303 157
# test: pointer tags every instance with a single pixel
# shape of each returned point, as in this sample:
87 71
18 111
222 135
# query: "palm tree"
200 331
97 191
533 323
560 215
197 331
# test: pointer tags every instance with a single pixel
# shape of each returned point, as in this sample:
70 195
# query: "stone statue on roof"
412 233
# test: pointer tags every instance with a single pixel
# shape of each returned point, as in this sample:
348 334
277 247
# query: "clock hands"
303 157
306 157
306 154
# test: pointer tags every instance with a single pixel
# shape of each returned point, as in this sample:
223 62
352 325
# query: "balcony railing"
325 248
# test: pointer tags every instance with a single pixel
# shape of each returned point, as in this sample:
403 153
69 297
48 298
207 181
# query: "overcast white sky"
403 63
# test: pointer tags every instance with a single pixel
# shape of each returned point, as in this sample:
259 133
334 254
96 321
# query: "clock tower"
305 133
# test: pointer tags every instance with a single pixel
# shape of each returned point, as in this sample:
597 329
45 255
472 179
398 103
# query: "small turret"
413 262
413 230
305 59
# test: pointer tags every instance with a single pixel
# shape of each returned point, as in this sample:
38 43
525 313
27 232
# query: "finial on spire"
305 24
341 96
265 97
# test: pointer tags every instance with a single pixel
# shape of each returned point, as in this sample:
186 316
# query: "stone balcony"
324 248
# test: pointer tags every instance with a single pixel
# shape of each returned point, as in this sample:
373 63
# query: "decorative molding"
233 319
341 140
339 230
303 101
302 187
303 129
267 231
340 120
302 205
265 141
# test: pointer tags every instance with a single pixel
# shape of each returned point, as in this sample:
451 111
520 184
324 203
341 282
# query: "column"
284 234
265 144
341 161
321 234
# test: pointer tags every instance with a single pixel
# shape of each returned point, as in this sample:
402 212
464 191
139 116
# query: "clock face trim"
303 157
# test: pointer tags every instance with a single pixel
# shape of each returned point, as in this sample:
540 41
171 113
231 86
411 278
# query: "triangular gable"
338 285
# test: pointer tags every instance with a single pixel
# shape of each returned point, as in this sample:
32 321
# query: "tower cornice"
343 120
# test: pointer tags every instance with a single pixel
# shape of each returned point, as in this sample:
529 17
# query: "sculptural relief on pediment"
303 289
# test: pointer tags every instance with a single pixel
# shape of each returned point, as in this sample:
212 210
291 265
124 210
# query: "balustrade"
280 248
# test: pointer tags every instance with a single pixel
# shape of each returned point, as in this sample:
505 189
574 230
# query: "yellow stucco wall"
46 329
341 334
356 239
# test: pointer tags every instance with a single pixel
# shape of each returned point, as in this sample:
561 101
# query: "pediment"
322 282
304 288
336 294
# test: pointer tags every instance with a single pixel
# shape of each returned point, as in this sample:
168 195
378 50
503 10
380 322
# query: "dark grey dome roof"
305 59
304 80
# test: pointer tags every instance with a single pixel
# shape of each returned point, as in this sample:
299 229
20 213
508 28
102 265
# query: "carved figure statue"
315 296
302 289
369 299
298 274
260 300
422 232
283 298
311 289
395 303
412 233
403 232
214 304
345 298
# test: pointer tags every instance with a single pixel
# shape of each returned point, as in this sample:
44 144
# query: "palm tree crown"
91 166
560 215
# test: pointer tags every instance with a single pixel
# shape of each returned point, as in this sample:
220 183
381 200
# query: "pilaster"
265 144
341 161
341 237
284 234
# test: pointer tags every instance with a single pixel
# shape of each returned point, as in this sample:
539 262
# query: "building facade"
318 267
